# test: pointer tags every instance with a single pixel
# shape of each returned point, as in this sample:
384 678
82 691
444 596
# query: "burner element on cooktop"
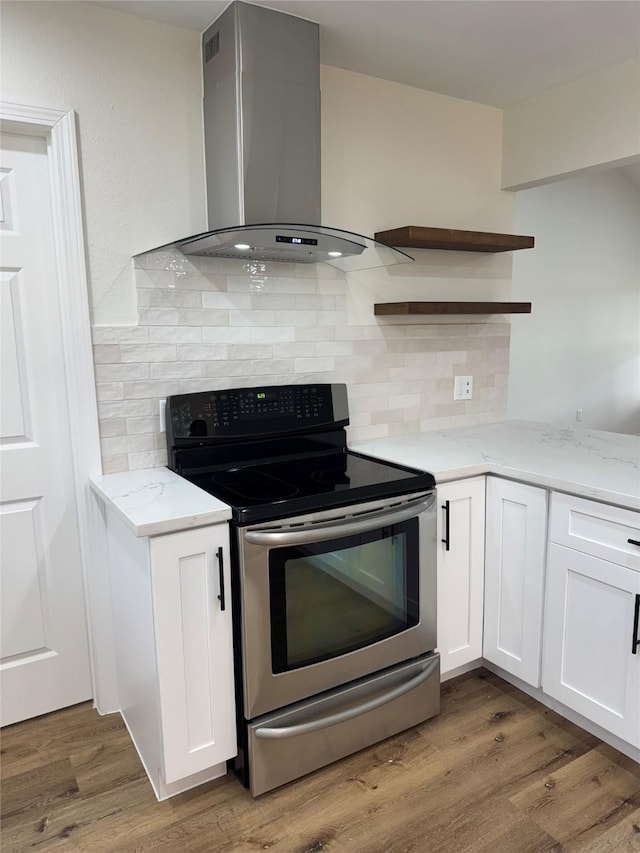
331 476
254 485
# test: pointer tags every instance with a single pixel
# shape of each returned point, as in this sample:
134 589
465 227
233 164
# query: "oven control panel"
262 410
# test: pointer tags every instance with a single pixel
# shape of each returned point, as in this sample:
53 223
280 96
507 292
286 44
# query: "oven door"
330 597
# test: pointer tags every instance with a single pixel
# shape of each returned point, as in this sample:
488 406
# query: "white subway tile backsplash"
226 334
137 426
202 352
175 369
313 333
119 335
115 464
148 459
331 348
159 297
299 349
109 391
314 302
298 318
137 353
153 388
176 334
106 353
274 334
252 318
274 367
314 365
296 286
121 372
114 426
113 446
225 300
126 408
202 317
452 357
158 316
206 323
244 351
270 302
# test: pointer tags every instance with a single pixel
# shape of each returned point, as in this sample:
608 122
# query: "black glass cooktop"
280 489
277 451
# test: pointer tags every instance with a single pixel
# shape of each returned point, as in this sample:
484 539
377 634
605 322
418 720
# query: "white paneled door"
44 647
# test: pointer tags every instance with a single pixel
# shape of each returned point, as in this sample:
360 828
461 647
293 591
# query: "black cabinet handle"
633 542
445 507
635 640
221 572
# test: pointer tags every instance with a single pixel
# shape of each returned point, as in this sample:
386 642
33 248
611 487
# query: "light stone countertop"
604 466
156 500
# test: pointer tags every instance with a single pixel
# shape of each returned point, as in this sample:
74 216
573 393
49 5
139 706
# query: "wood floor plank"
581 799
624 837
44 739
467 781
37 790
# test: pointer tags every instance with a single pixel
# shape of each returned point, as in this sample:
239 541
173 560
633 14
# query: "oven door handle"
277 732
320 532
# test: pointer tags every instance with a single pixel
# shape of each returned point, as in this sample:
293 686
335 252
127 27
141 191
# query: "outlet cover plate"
463 388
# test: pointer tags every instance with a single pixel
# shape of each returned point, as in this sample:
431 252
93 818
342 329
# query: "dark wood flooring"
495 772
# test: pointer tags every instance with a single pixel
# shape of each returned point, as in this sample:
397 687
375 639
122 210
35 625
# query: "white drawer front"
603 531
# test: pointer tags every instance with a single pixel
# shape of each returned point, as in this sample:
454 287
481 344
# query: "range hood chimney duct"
261 117
262 146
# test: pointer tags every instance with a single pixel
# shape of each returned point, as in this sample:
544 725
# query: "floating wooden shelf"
417 237
389 309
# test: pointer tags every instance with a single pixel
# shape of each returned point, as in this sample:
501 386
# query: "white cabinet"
174 651
460 572
591 651
516 516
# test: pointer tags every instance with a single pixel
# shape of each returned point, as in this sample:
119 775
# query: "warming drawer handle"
634 542
221 598
320 532
635 640
446 508
274 732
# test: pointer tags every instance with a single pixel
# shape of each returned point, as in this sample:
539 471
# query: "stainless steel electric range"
334 574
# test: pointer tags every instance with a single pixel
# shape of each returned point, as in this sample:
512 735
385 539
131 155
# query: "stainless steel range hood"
262 146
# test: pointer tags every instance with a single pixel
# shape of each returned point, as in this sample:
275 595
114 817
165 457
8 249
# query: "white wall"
588 123
395 155
580 347
135 85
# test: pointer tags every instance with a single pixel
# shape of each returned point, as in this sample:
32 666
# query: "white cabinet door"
194 649
516 518
460 572
589 660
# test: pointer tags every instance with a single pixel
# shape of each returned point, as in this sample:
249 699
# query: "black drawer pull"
635 640
633 542
221 571
445 507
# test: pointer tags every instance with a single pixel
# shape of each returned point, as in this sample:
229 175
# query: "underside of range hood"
262 147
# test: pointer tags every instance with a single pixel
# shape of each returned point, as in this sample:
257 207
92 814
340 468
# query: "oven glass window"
334 597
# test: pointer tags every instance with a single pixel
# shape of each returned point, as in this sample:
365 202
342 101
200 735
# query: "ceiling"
491 51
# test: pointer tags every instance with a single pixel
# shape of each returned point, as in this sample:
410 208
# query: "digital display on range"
241 411
296 241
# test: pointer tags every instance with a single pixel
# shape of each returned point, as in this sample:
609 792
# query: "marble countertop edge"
153 501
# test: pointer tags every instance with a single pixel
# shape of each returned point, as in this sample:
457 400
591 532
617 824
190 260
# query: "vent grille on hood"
262 146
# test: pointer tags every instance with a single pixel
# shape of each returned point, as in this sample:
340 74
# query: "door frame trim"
58 129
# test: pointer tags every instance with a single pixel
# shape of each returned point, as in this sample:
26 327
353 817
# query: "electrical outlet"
463 388
161 409
578 414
